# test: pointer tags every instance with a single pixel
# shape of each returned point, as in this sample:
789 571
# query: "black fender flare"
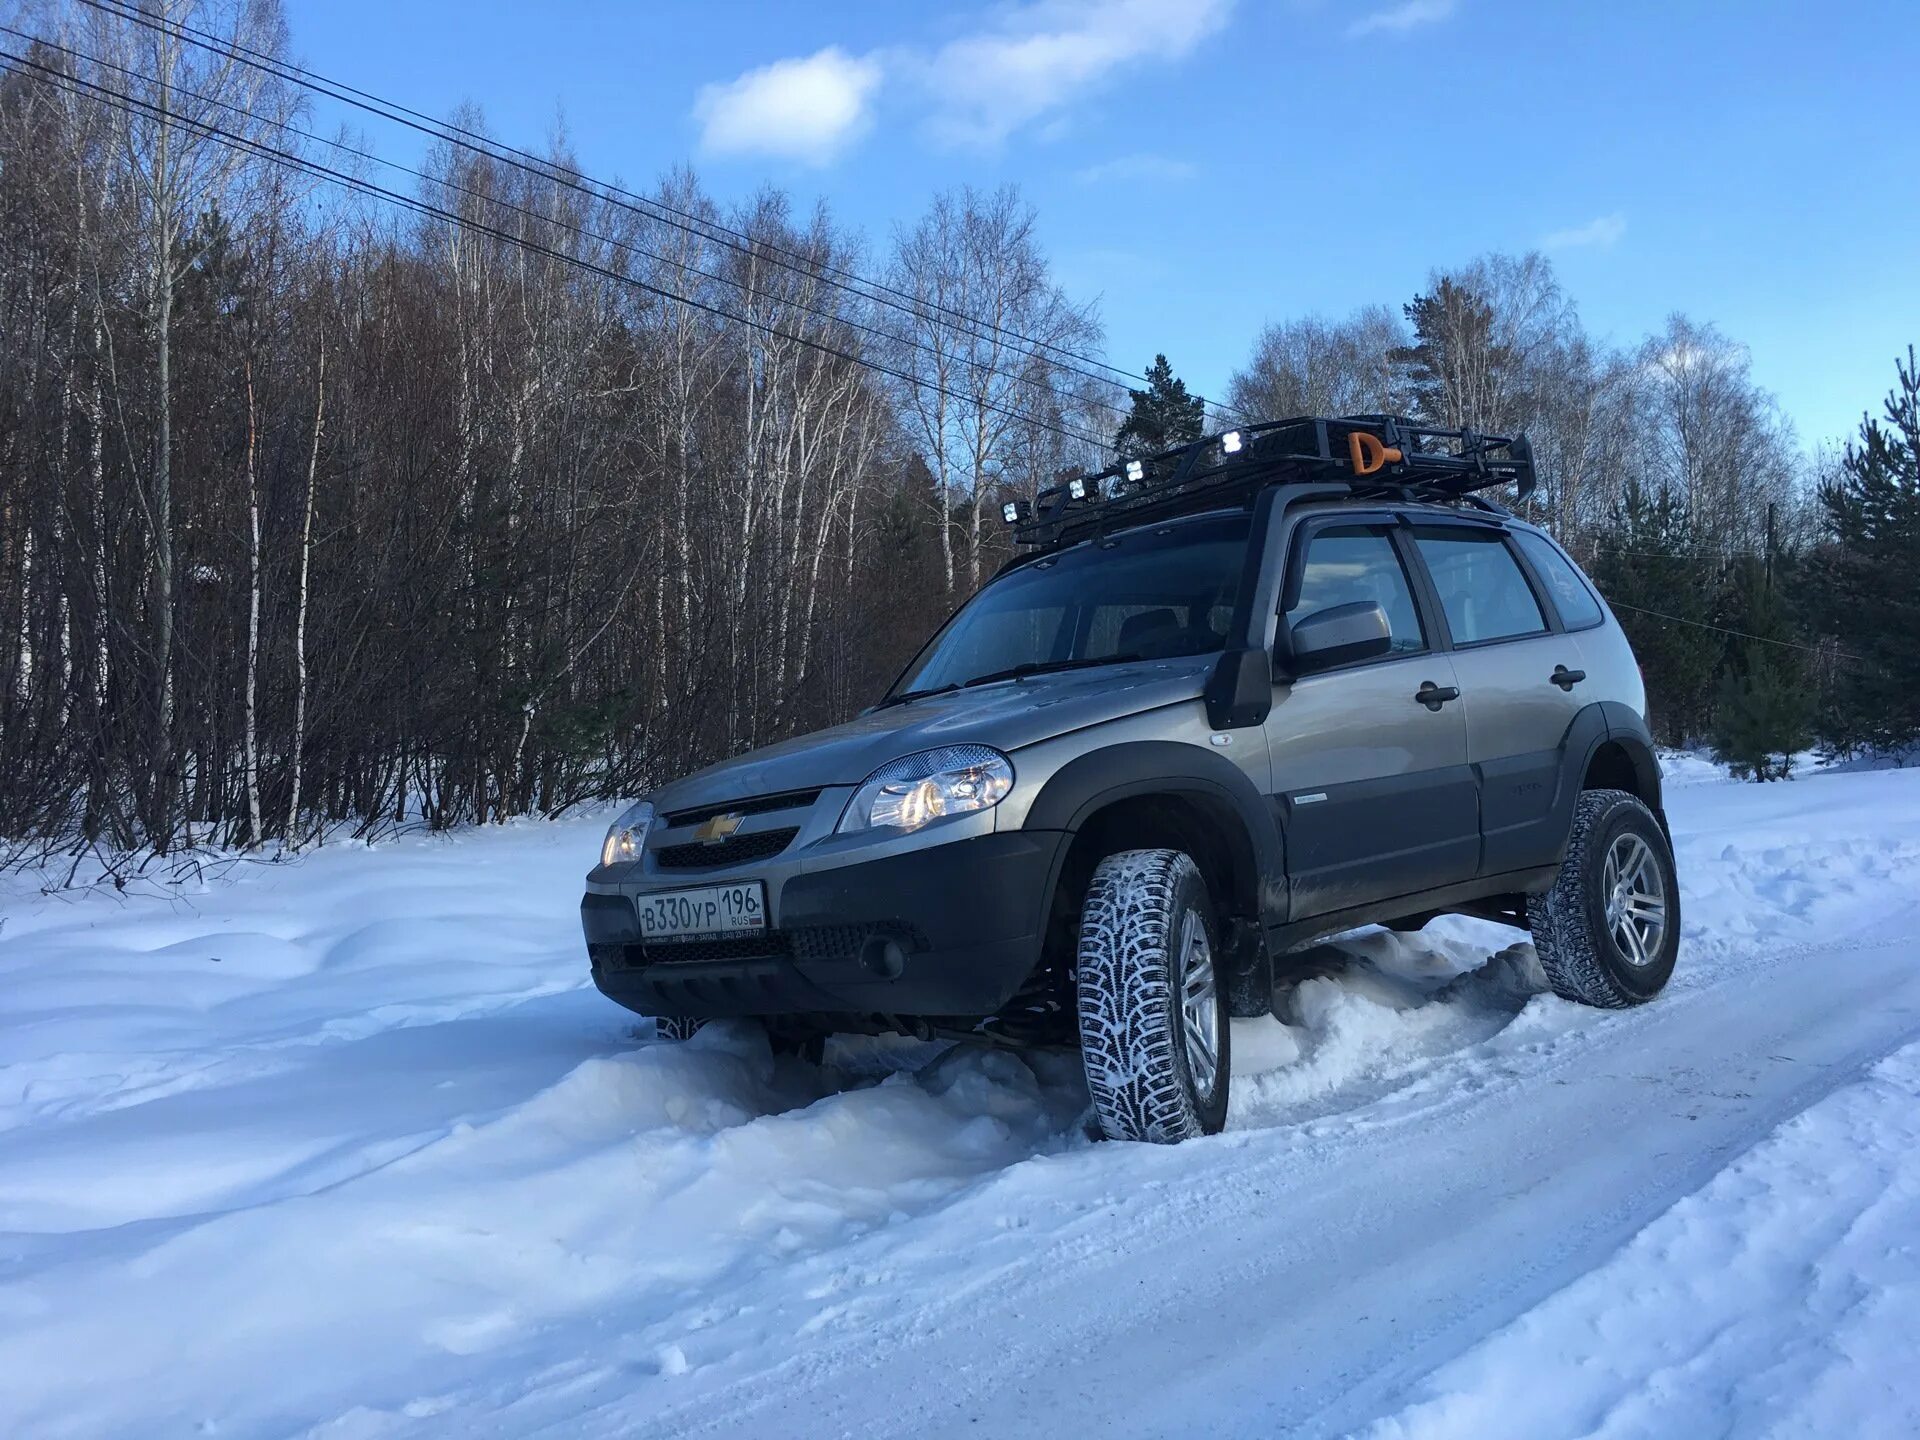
1628 729
1082 787
1601 723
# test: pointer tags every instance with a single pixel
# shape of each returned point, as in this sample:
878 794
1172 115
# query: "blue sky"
1204 166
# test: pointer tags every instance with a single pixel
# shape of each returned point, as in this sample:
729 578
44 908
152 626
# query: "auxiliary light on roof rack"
1371 454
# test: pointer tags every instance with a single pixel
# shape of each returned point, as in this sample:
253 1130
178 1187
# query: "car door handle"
1434 696
1566 679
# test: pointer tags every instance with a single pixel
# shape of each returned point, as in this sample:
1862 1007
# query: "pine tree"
1866 582
1765 709
1163 415
1456 366
1650 565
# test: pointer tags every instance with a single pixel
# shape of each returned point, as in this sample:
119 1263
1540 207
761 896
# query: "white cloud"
1020 67
803 109
1142 167
1398 19
1040 57
1601 233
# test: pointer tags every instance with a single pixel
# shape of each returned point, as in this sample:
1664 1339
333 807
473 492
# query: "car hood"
1006 715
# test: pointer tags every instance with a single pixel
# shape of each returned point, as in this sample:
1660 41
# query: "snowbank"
347 1147
1782 1298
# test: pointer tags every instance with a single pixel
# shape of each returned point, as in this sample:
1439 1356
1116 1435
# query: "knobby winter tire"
1608 932
1154 1036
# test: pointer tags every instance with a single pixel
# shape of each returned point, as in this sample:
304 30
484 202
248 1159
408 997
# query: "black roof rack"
1374 455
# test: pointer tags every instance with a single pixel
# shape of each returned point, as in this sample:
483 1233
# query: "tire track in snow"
1249 1225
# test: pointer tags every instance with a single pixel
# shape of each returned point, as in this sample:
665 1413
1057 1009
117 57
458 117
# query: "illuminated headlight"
1010 512
1136 471
1230 442
628 835
1076 489
908 793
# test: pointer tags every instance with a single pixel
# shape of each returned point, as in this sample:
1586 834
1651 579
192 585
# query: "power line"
711 230
127 104
1741 634
812 265
1695 556
1044 388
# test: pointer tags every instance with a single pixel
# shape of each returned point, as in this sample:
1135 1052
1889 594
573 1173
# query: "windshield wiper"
1046 667
1012 672
905 695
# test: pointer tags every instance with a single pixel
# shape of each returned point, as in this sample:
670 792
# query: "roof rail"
1374 455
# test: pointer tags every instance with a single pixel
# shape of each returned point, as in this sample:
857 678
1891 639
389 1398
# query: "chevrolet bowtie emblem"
716 828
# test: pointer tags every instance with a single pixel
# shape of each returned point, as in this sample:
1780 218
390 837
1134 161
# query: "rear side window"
1482 591
1571 595
1354 563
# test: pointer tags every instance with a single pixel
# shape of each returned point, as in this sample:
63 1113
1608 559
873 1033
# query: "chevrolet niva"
1276 684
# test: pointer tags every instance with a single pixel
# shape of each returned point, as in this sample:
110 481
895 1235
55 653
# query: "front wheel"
1153 1029
1608 932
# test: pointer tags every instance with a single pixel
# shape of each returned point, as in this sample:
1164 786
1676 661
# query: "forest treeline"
335 494
1772 595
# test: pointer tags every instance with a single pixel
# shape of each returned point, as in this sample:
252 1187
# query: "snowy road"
342 1149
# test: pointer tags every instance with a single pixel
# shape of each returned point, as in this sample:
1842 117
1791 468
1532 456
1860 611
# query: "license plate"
710 912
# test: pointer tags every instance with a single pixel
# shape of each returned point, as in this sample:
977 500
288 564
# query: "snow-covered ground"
345 1148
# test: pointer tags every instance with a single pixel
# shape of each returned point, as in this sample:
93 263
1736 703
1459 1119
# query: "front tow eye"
883 956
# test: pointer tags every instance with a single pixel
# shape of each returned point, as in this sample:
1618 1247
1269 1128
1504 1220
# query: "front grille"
846 942
758 805
827 942
803 942
734 850
770 946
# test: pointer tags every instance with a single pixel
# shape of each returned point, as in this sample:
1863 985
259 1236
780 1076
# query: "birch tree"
178 98
972 382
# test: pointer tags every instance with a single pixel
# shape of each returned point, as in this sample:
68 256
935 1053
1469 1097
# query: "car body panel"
1612 672
1372 786
1007 715
1517 721
1037 801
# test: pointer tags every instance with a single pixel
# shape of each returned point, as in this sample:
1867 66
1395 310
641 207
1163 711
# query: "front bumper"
949 929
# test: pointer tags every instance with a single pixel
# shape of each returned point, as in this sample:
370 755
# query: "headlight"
628 834
908 793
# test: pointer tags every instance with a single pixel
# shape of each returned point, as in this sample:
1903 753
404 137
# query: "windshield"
1144 595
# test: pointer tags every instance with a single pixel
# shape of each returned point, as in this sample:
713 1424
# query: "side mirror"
1341 634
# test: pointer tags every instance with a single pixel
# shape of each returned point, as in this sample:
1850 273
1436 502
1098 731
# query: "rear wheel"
677 1027
1608 932
1154 1037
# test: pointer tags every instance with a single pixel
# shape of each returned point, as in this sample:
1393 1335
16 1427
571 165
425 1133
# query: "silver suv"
1282 682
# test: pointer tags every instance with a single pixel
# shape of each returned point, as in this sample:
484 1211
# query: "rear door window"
1571 595
1482 590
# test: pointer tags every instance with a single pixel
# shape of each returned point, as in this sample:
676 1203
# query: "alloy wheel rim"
1199 1004
1636 900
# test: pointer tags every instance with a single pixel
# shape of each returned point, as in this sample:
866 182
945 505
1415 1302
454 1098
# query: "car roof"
1320 505
1479 514
1148 527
